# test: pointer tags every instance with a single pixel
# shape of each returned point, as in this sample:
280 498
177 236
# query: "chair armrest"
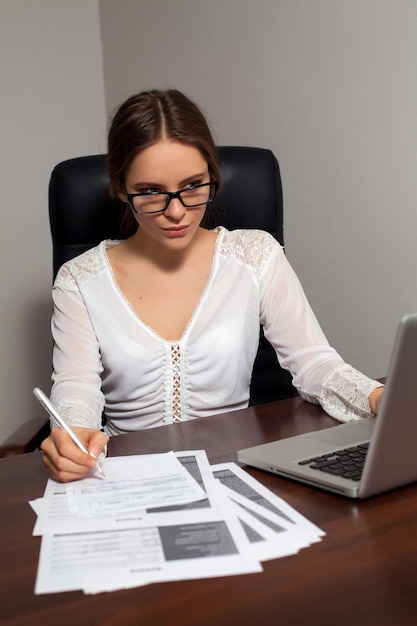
26 438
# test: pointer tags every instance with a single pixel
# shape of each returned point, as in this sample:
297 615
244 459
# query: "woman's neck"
144 246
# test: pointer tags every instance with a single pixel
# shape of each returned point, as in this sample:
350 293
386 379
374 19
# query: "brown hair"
143 120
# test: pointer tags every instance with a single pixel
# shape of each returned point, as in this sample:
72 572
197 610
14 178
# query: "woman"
163 326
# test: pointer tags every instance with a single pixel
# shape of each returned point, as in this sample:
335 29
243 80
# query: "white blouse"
106 358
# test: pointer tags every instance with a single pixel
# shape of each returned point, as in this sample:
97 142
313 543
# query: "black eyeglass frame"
170 195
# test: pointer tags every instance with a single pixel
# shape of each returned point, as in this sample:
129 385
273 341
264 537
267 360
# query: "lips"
176 231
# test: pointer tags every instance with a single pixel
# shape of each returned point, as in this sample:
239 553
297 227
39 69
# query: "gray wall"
329 85
51 109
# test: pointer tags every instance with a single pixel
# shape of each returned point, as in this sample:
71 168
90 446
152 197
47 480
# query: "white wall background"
329 85
51 109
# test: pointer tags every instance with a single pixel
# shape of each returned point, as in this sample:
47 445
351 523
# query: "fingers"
64 461
97 443
63 471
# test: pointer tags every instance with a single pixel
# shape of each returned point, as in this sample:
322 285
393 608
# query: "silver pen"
46 403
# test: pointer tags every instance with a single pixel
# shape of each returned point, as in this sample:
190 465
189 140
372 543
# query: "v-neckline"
108 243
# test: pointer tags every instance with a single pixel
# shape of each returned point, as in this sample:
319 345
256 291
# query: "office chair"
82 214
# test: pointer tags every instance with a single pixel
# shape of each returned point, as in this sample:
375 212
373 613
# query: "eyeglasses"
158 201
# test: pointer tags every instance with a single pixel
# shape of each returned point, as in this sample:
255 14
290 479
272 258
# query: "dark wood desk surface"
363 572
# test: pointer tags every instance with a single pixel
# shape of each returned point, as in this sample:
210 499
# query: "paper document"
160 518
274 529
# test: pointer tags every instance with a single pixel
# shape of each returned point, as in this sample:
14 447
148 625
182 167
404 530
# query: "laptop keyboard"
347 462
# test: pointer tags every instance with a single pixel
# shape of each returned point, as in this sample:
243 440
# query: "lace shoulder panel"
252 247
83 267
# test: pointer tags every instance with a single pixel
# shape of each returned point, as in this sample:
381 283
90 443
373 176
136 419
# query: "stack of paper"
161 517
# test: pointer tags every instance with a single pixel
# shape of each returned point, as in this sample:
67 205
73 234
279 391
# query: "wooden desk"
363 572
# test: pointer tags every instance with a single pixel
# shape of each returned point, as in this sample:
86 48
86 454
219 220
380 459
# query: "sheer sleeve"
76 390
319 373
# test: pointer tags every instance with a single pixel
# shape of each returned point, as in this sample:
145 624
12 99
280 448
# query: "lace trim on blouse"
176 383
83 267
252 247
76 413
345 392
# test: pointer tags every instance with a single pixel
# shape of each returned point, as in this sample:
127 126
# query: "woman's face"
168 166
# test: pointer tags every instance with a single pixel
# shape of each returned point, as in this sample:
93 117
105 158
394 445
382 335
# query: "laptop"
362 458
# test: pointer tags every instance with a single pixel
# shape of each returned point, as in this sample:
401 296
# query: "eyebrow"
145 183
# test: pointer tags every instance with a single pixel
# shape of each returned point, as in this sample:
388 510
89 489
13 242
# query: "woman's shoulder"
252 247
247 244
83 267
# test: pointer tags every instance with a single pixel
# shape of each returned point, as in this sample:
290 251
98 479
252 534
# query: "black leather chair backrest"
82 214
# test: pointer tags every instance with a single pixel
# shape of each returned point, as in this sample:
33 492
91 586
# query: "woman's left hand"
375 399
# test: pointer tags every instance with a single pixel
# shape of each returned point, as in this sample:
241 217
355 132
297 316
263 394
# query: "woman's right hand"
64 461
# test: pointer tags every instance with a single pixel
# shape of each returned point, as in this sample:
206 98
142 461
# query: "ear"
122 196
